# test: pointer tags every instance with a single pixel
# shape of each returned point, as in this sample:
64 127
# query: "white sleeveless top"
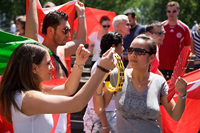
38 123
111 105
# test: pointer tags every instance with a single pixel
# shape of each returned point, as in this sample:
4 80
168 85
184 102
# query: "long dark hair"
18 75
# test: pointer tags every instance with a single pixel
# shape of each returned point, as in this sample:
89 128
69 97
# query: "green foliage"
146 10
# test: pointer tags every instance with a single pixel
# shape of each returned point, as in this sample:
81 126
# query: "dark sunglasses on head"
66 30
104 26
159 33
137 51
174 11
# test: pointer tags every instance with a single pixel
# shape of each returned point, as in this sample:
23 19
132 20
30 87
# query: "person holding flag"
56 31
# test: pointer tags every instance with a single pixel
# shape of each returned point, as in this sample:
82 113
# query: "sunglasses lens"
174 11
65 31
104 26
137 51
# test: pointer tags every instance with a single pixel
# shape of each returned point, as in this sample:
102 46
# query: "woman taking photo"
137 104
29 105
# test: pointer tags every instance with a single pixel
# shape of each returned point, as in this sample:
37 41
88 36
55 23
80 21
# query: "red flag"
93 17
179 70
69 9
190 120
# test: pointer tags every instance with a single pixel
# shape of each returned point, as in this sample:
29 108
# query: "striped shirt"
196 38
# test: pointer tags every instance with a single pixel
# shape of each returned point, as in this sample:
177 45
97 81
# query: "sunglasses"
137 51
159 33
104 26
174 11
128 24
66 30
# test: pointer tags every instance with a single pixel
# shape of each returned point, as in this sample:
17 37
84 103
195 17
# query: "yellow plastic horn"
120 80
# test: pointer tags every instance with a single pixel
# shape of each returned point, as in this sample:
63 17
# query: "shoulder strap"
61 64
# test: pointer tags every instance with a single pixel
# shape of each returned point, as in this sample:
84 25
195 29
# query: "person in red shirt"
176 38
156 30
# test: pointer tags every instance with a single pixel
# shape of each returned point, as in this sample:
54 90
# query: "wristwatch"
183 97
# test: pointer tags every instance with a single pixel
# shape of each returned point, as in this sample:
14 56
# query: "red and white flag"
190 120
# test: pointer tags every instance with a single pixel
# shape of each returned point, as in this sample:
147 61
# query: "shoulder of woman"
157 77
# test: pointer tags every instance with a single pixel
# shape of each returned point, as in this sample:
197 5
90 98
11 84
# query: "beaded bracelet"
78 66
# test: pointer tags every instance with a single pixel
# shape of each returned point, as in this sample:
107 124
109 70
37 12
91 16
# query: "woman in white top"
95 38
27 104
105 121
20 25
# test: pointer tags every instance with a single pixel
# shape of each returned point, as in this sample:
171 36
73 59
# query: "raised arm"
31 30
80 38
175 110
72 82
36 102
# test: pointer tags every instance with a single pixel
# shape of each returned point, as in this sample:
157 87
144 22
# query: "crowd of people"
149 55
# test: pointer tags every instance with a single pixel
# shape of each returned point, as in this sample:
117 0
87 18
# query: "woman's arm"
72 82
101 102
175 110
104 122
91 46
39 103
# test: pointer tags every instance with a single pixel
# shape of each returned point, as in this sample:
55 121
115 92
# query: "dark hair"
104 18
151 25
52 19
173 3
22 20
129 11
18 75
109 39
151 43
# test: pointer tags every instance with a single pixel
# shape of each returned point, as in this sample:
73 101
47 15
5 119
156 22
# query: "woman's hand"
108 61
181 86
82 55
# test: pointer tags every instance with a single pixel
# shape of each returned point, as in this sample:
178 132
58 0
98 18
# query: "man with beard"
135 30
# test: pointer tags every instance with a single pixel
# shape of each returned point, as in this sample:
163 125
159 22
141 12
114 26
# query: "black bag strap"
61 64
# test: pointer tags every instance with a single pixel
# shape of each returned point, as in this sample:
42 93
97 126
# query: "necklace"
142 81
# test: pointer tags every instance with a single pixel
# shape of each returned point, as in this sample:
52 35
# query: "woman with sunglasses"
95 38
137 104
